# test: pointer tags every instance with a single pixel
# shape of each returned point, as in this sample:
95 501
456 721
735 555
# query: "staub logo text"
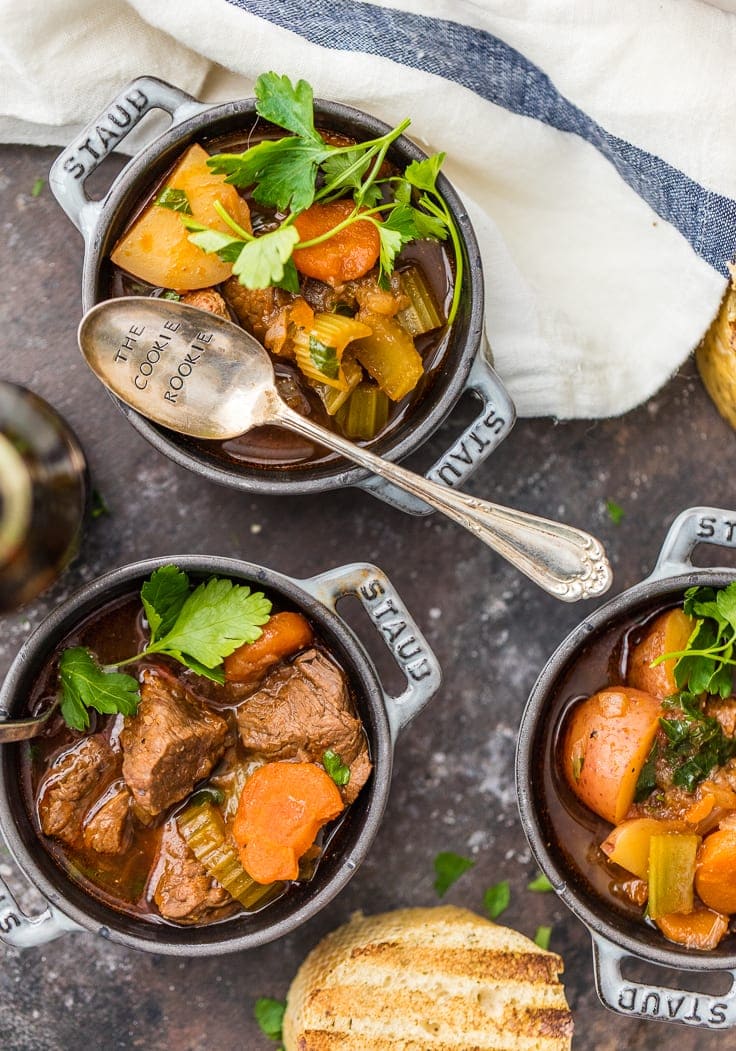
97 141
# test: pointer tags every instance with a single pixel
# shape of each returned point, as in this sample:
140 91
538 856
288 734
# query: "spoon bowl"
198 374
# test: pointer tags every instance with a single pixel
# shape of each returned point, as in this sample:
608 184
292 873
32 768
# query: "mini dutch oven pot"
70 908
616 934
466 360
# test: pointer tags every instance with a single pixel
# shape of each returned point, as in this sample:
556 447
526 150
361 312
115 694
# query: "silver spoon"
200 375
24 729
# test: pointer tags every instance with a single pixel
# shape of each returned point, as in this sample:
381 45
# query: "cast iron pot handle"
73 167
638 1000
23 932
478 440
394 624
696 525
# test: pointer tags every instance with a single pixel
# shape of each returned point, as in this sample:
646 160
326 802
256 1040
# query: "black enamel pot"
616 933
466 364
70 908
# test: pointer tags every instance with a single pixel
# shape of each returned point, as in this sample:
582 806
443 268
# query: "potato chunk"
667 634
606 743
157 249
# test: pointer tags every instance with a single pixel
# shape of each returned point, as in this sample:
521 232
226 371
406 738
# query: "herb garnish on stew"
293 173
198 628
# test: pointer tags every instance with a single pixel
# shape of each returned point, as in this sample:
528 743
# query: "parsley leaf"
449 867
615 512
227 246
37 188
215 620
540 884
270 1016
85 685
163 596
283 172
175 200
542 937
706 663
98 505
262 262
391 242
333 764
346 170
290 106
497 898
325 358
423 174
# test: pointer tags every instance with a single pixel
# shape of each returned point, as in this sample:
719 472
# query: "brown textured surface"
492 630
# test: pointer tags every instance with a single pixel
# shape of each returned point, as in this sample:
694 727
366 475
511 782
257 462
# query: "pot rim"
371 699
445 390
528 770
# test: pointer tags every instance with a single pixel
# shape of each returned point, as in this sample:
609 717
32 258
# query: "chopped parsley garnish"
542 937
171 294
175 200
696 743
497 898
197 628
324 358
292 173
333 764
448 868
270 1016
98 505
615 512
706 663
540 884
37 188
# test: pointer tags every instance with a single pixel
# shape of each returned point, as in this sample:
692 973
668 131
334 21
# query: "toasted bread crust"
436 979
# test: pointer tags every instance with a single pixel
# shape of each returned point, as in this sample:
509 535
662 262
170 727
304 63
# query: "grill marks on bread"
438 979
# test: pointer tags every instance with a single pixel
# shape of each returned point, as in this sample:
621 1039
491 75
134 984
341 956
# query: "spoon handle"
567 562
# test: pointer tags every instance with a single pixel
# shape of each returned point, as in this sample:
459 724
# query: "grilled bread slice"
436 979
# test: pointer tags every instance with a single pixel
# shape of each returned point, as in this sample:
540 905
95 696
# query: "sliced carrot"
282 808
283 634
347 255
699 929
715 870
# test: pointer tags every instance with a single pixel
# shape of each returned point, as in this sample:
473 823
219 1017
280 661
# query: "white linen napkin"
589 139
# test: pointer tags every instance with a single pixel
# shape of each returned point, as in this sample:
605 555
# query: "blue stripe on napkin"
492 69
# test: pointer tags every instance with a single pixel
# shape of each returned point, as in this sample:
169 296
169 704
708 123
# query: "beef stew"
139 807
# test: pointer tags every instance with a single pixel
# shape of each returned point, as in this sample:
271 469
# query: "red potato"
669 633
606 742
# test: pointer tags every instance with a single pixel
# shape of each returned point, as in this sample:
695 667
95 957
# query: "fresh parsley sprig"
198 628
706 663
293 173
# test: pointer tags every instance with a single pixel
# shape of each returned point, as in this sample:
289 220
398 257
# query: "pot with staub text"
456 360
610 736
167 878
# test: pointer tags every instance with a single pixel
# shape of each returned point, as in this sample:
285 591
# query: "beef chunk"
724 710
256 308
182 889
72 784
208 299
107 830
300 712
171 743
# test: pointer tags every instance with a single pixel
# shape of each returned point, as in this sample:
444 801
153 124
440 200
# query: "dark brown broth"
276 447
574 829
123 881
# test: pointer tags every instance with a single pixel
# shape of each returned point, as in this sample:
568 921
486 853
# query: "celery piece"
671 873
365 413
422 314
203 828
389 356
332 398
